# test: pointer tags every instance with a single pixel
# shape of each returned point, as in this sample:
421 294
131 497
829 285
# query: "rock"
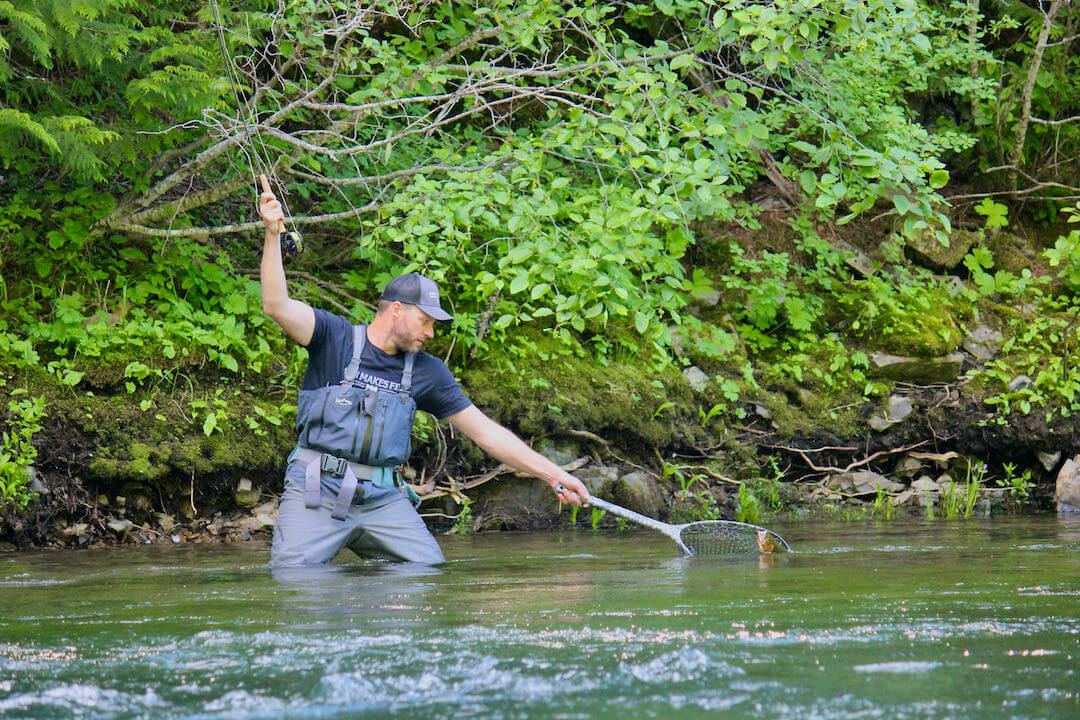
77 530
939 459
1020 382
855 259
925 248
35 484
696 377
983 343
919 371
863 482
265 521
120 525
1067 492
560 452
1048 460
166 522
899 407
907 467
925 484
267 508
709 298
901 498
244 496
599 479
762 411
638 492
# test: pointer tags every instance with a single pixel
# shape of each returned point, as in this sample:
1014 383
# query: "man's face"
411 327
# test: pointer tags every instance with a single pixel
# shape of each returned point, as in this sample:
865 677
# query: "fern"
16 126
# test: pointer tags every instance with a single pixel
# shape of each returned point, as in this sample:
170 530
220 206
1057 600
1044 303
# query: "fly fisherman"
361 390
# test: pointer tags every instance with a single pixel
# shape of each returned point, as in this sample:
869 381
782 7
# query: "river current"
908 619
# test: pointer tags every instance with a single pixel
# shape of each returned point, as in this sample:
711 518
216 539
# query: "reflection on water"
891 621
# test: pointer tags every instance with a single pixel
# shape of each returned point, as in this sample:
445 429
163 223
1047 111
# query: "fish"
764 542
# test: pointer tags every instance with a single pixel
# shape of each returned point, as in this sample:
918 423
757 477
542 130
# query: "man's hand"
296 318
571 490
272 214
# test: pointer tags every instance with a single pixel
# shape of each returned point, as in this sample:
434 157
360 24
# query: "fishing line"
258 162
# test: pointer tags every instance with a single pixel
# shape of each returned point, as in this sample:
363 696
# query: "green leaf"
519 283
209 424
680 61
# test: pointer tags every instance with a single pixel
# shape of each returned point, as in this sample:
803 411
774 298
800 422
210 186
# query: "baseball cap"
415 289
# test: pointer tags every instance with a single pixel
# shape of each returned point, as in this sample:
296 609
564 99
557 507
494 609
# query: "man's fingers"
575 495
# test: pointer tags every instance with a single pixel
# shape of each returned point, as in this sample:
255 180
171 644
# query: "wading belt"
350 473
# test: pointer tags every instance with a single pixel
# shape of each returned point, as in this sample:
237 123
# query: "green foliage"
568 235
959 499
1018 485
1066 254
463 522
65 66
17 451
914 317
749 509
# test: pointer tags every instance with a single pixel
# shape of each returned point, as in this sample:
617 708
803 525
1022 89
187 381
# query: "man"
361 389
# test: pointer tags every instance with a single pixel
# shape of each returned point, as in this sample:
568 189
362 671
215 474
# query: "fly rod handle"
266 189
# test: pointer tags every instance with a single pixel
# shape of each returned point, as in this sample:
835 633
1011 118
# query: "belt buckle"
333 466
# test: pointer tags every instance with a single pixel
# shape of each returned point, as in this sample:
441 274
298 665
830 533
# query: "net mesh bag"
719 537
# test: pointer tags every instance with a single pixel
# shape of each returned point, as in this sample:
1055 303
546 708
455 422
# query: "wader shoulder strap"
406 375
359 337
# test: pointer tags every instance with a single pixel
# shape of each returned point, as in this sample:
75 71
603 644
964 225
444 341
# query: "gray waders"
350 435
354 432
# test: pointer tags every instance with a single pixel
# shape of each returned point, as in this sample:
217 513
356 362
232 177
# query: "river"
908 619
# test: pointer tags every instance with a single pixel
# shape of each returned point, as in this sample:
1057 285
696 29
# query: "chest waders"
352 432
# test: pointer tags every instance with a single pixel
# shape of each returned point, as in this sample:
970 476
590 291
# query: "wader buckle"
333 466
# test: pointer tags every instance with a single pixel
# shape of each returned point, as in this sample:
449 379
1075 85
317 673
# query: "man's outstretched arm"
505 446
296 318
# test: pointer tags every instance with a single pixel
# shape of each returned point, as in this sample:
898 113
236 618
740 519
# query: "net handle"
672 531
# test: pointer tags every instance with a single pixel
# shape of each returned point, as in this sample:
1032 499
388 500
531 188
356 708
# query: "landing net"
721 537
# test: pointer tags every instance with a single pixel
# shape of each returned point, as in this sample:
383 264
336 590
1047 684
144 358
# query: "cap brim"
436 312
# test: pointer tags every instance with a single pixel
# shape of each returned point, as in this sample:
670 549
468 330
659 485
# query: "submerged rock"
1067 492
920 371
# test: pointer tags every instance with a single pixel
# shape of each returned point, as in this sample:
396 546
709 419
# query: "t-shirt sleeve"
325 349
445 396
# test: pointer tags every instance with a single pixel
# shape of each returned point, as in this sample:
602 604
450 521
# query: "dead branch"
857 463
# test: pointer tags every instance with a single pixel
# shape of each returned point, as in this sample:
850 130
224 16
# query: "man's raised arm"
295 317
505 446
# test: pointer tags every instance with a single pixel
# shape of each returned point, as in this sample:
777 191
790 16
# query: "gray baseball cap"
415 289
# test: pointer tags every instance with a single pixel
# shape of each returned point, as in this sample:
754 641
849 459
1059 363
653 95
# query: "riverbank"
936 394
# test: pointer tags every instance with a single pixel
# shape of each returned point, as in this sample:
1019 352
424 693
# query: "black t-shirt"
434 388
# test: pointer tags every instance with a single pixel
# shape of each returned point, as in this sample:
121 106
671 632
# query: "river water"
900 620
